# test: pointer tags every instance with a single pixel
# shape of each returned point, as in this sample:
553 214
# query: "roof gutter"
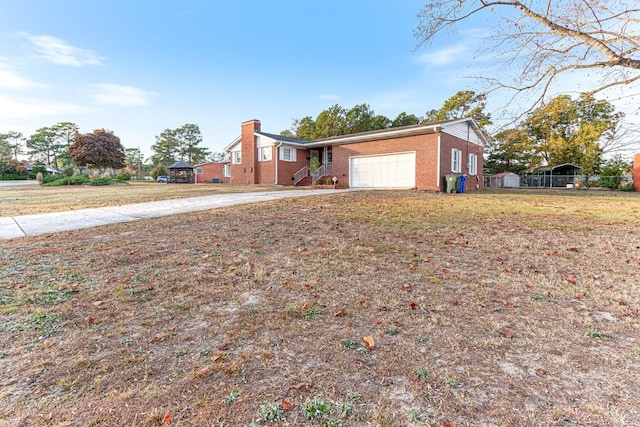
374 136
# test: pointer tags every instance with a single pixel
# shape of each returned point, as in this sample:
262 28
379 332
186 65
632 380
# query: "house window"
264 154
226 170
328 155
198 171
237 157
473 164
288 154
456 161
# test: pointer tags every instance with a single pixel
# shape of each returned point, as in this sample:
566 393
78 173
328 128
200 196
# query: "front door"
314 154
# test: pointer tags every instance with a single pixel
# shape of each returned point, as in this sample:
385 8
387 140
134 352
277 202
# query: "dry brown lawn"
33 199
357 309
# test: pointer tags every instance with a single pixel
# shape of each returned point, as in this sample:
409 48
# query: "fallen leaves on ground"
369 342
150 320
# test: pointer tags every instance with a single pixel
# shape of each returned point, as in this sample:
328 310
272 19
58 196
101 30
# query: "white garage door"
383 171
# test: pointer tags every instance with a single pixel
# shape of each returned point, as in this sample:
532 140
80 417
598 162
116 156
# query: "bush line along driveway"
31 225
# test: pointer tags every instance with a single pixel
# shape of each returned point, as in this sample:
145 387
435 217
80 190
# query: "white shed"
505 180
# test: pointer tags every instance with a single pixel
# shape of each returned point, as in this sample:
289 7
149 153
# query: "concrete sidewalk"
31 225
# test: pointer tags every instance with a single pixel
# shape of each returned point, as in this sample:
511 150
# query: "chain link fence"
623 182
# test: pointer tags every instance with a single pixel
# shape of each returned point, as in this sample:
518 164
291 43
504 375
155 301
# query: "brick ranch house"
417 156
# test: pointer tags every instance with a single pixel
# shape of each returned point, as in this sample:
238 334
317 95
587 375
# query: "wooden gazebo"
181 172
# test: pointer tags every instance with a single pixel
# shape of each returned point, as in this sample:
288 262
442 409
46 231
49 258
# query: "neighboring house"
417 156
505 180
213 172
50 169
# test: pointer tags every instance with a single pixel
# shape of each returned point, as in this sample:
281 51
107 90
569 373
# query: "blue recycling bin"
463 179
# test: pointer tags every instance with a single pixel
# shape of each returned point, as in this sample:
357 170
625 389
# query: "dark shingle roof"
553 168
181 164
282 138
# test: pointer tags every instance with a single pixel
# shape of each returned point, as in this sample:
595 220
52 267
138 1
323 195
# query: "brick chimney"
249 151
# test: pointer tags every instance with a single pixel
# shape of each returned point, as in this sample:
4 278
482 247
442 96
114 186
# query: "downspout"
437 130
277 158
469 160
468 136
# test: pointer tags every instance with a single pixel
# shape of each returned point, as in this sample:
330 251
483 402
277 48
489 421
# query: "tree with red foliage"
99 149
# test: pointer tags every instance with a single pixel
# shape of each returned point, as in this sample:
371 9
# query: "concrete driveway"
31 225
15 183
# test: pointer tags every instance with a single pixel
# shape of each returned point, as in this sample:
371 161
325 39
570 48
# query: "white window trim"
265 150
236 157
456 160
226 170
473 164
292 154
198 171
326 153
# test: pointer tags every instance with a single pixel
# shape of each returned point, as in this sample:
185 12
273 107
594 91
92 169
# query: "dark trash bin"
452 182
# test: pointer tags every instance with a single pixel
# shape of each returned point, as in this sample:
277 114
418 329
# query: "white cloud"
329 97
9 79
57 51
445 56
11 108
125 96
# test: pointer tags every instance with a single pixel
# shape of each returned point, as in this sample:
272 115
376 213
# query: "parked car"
163 178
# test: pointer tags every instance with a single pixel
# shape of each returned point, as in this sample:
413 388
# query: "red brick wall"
265 171
286 170
252 171
448 143
245 173
425 146
211 171
236 173
636 172
426 149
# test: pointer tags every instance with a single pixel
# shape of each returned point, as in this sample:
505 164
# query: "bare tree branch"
540 40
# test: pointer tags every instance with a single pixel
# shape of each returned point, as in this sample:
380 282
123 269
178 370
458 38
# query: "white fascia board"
289 143
375 136
296 145
232 145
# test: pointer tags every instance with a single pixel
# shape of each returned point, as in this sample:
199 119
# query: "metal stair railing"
300 175
323 170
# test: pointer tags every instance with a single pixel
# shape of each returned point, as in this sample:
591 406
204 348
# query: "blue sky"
138 67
